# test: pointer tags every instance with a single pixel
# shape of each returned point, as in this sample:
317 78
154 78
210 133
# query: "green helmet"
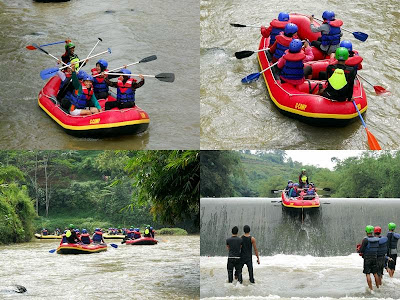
369 229
392 226
71 226
342 53
303 170
69 45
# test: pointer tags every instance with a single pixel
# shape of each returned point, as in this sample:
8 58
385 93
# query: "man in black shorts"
234 244
393 238
381 255
369 249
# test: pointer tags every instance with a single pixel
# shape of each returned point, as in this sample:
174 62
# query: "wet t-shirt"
234 244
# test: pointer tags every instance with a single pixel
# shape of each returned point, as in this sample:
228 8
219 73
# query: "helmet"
347 44
77 230
131 229
81 74
311 183
289 181
125 71
97 229
342 53
69 45
71 226
377 229
88 77
84 231
283 16
290 28
102 63
303 170
392 226
328 15
296 184
137 229
151 228
295 46
369 229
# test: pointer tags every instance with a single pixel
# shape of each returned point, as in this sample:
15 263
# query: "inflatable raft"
106 123
66 248
301 202
113 236
47 237
142 241
298 102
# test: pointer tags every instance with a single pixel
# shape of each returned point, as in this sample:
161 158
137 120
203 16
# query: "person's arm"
265 32
253 241
323 27
273 48
137 85
281 62
351 84
110 83
95 102
363 246
308 52
75 81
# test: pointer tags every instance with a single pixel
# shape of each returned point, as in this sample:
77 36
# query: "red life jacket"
99 83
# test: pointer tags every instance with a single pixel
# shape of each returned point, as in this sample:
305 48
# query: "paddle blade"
167 77
243 54
250 78
30 47
38 47
379 90
46 74
360 36
372 142
114 245
52 250
326 189
149 58
237 25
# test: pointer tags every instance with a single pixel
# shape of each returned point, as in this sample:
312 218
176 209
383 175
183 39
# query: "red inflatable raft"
298 102
66 248
301 202
106 123
142 241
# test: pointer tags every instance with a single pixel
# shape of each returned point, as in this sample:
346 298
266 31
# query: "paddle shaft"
44 51
98 54
99 40
55 43
340 27
266 69
129 74
135 63
365 80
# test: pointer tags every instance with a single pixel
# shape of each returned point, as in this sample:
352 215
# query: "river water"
237 116
133 30
168 270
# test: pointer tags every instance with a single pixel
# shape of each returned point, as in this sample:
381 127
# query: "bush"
171 231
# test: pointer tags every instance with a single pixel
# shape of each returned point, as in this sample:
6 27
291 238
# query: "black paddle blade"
100 39
243 54
149 58
327 189
38 47
167 77
237 25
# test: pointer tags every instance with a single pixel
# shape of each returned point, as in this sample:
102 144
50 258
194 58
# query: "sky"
320 158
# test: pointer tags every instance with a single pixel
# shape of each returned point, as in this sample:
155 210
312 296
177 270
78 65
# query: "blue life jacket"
97 237
85 238
277 28
382 246
292 193
393 240
293 68
99 83
64 239
372 247
311 192
333 37
136 235
124 91
129 234
83 100
282 44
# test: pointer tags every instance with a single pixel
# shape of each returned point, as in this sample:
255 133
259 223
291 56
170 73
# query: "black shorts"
392 264
380 264
370 265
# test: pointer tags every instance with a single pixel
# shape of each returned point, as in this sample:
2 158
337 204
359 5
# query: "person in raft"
354 59
340 78
82 99
45 231
283 41
152 232
393 238
330 33
293 192
136 234
303 179
147 232
369 250
98 236
234 245
288 187
71 236
126 87
99 84
246 254
275 27
292 62
382 250
85 238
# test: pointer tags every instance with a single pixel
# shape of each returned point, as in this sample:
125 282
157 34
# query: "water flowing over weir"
333 230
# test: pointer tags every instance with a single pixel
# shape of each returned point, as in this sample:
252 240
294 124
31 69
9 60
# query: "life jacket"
311 191
303 179
129 234
293 68
136 235
282 44
124 91
277 28
97 236
45 232
393 238
338 79
147 232
64 239
85 238
99 83
292 192
382 249
83 100
333 37
372 247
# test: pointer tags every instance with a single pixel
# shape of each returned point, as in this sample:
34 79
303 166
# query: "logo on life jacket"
338 79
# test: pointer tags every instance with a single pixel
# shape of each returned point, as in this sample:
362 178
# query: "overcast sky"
321 158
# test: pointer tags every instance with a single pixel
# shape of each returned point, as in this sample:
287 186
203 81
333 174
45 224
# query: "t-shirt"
234 244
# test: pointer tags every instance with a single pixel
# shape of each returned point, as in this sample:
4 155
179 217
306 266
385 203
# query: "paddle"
114 245
278 191
167 77
241 25
45 52
247 53
99 40
47 73
372 142
31 47
146 59
357 34
52 250
254 76
378 89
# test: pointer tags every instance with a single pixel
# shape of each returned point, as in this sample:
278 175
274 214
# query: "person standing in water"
393 238
234 244
369 249
246 255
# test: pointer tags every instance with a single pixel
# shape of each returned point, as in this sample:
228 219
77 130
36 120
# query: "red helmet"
377 229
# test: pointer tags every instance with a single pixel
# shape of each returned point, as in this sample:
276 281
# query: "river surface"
168 270
133 30
237 116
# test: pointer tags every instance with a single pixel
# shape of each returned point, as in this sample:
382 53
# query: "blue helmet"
137 229
81 74
84 231
290 181
151 228
296 184
97 229
103 64
328 15
88 77
290 28
347 44
295 46
283 16
131 229
126 71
